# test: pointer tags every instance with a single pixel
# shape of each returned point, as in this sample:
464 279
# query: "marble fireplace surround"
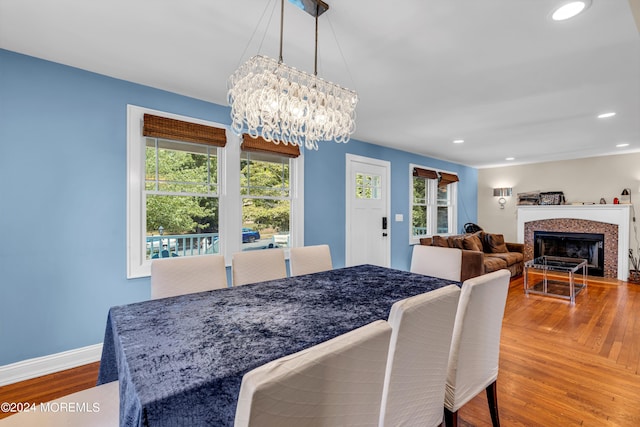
611 220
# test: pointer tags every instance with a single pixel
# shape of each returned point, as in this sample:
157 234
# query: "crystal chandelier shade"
282 104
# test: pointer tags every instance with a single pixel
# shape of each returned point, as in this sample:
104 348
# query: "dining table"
180 360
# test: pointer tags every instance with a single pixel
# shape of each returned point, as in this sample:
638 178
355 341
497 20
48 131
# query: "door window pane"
368 186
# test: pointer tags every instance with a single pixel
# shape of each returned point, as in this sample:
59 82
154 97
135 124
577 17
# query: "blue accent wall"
325 197
63 200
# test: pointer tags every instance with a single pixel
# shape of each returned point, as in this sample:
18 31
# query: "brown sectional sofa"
482 253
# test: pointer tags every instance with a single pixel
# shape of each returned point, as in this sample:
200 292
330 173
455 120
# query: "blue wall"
325 188
63 200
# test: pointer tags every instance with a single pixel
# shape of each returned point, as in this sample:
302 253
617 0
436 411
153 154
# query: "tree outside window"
266 199
181 192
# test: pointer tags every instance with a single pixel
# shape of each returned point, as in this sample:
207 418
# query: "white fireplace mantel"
619 215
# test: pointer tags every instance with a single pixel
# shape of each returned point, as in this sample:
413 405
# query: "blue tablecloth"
180 360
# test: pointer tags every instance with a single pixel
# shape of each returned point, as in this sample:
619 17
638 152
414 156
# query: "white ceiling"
497 73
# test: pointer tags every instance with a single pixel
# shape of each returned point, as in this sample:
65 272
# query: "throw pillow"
456 242
472 243
439 241
496 243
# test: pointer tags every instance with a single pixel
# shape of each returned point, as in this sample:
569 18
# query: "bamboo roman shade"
178 130
259 145
447 178
443 178
425 173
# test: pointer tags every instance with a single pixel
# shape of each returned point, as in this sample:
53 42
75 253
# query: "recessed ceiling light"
606 115
569 10
624 144
510 158
458 141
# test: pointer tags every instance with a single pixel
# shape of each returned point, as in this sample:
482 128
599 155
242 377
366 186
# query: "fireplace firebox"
589 246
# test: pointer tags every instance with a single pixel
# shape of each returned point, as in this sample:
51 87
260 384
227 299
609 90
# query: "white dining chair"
336 383
444 263
96 407
418 356
185 275
258 266
310 259
475 347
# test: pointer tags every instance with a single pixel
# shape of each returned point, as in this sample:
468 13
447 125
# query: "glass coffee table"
561 285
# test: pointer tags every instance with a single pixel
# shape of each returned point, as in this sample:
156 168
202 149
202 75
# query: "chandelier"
282 104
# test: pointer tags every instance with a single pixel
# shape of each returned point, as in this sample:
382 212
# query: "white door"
368 228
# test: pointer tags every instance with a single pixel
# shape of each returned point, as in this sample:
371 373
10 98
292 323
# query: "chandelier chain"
315 58
280 59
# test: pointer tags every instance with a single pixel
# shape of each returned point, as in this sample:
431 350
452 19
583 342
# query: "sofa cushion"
493 263
495 243
440 241
472 264
456 242
426 241
472 242
509 257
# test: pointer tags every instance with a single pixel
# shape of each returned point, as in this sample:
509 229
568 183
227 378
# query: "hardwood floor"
49 387
560 365
568 366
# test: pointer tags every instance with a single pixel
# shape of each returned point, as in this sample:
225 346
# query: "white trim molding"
36 367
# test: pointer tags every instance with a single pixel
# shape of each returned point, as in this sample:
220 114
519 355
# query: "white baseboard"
36 367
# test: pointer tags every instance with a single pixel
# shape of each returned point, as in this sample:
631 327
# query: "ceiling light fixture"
510 158
569 10
458 141
624 144
606 115
282 104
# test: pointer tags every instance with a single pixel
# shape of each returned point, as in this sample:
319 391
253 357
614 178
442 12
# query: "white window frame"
432 205
229 198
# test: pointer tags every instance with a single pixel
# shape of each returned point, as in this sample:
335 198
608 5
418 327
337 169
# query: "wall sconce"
502 193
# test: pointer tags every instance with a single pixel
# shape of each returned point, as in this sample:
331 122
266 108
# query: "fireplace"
589 246
611 220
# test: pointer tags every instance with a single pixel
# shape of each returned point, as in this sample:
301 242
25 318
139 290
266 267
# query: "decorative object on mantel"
530 198
625 196
603 201
283 104
552 198
541 198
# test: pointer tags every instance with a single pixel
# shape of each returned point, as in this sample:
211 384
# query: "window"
184 198
433 202
180 198
266 190
266 200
